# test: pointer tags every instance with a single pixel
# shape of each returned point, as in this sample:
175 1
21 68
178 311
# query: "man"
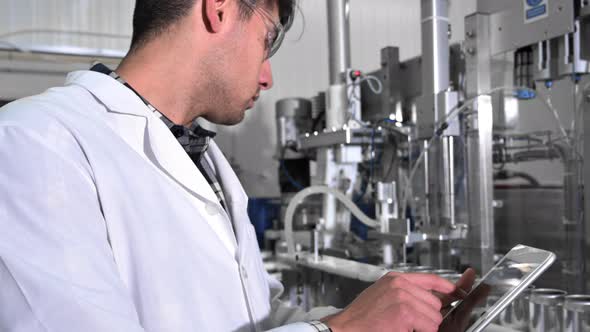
118 214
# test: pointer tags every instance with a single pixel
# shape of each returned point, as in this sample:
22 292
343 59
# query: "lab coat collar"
161 147
114 95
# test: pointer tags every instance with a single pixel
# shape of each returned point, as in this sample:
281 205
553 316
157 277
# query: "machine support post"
479 248
339 39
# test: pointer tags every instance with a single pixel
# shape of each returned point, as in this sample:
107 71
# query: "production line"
401 169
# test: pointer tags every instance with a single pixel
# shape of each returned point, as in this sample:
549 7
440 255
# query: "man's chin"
235 121
230 120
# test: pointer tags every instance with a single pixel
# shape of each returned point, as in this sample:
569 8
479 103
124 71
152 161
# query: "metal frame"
586 170
509 30
348 136
479 247
585 32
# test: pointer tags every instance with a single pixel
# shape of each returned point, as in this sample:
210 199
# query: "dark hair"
152 17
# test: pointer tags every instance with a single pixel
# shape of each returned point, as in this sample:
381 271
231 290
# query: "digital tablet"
504 282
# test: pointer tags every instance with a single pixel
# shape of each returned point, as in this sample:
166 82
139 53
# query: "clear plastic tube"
300 197
549 103
440 125
585 92
576 108
371 80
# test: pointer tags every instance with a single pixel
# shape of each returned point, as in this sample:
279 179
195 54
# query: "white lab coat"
107 225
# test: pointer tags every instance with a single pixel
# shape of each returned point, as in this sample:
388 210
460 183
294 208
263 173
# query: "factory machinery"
422 164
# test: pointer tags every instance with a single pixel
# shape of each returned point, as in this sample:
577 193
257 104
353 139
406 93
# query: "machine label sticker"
535 10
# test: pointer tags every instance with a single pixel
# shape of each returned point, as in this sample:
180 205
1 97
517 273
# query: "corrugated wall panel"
99 17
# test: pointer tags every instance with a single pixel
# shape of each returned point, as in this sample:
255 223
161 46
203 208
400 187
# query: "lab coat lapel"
163 148
160 146
154 142
234 194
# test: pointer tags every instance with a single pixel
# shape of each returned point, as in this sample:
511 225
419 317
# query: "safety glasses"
276 30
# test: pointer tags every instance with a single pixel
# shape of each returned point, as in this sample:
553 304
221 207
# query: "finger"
418 292
431 282
447 299
425 325
476 298
464 286
467 279
480 294
425 318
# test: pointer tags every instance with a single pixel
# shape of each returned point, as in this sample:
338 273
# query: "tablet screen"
502 279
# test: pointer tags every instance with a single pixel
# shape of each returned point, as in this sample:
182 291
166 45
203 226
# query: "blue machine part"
576 78
549 84
524 94
262 212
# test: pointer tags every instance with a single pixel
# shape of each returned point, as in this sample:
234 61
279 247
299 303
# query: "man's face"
241 69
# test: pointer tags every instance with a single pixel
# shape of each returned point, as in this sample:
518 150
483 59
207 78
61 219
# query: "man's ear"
214 14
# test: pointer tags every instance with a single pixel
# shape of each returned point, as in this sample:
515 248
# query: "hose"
506 175
298 199
549 103
536 154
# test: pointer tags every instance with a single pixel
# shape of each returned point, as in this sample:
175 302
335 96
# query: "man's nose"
265 80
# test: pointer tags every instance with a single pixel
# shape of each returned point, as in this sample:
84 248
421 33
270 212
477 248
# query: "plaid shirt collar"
194 139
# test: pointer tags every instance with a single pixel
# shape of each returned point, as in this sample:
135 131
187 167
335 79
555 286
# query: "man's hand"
460 319
401 302
464 286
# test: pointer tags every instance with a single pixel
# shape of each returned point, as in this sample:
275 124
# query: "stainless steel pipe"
435 46
339 39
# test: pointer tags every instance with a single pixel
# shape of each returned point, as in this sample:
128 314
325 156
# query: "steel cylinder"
422 269
435 46
517 314
444 271
576 313
402 267
293 116
339 39
546 310
452 277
